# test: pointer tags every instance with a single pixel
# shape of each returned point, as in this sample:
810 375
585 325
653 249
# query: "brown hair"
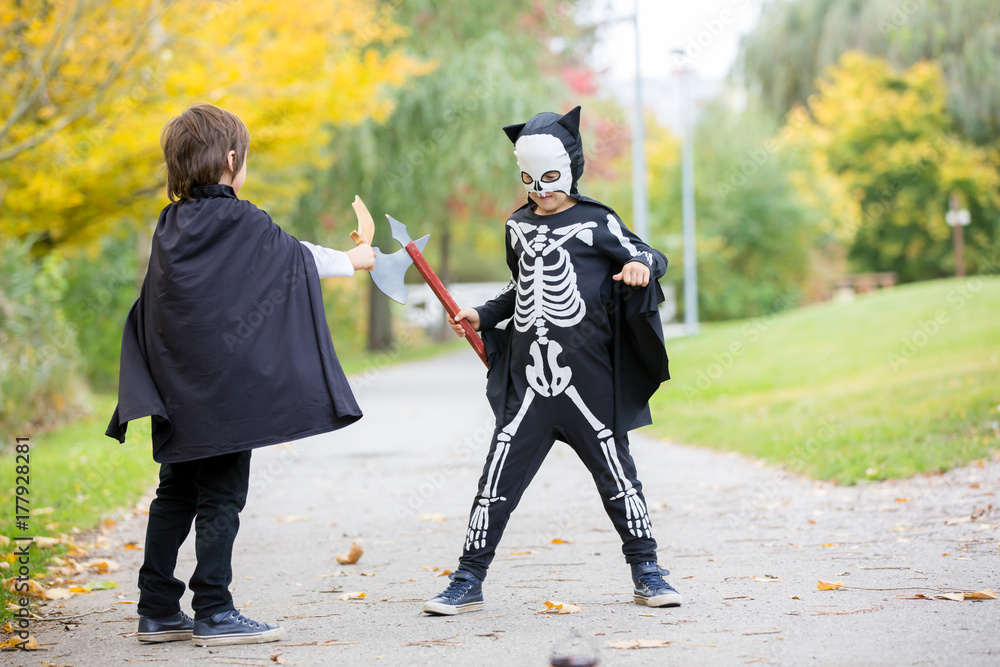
196 145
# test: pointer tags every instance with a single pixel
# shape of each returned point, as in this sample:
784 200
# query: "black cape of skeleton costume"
227 348
639 356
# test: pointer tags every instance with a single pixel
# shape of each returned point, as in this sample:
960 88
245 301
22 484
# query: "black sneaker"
465 593
650 588
232 627
167 629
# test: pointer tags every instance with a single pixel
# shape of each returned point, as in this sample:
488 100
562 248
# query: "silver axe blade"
390 270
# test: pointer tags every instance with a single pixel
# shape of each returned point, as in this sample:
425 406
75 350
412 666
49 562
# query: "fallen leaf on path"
293 519
561 541
100 585
276 657
127 602
954 597
431 516
353 596
352 557
639 643
981 595
17 643
132 546
58 594
902 500
829 585
338 573
102 566
444 573
558 608
767 577
522 553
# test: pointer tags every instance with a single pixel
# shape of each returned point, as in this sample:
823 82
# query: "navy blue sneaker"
232 627
650 588
167 629
465 593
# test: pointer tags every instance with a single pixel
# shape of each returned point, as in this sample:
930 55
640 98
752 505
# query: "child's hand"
470 315
362 257
633 273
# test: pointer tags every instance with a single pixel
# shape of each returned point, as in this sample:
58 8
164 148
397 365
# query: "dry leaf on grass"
829 585
558 608
431 516
352 557
639 643
35 589
353 596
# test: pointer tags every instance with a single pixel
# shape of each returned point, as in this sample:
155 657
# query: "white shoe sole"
240 638
163 636
450 610
668 600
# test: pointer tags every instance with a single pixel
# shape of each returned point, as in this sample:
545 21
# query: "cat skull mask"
540 155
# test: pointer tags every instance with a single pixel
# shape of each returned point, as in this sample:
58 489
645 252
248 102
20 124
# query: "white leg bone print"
480 521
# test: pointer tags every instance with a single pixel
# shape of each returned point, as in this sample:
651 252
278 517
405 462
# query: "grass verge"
893 384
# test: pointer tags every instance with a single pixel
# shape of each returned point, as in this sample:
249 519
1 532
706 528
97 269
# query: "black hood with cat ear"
565 128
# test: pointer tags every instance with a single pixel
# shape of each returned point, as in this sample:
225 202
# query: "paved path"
745 543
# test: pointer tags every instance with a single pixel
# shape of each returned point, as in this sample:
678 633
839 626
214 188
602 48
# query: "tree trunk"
444 332
380 336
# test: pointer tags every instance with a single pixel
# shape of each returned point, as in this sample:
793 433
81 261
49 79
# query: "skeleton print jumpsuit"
561 381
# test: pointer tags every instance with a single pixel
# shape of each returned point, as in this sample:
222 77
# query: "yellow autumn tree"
86 86
883 146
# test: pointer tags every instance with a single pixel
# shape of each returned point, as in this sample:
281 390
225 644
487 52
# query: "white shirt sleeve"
329 262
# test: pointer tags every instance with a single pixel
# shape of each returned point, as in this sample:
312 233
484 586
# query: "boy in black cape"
578 361
226 349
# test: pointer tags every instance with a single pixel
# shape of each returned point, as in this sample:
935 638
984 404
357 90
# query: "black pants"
517 452
211 492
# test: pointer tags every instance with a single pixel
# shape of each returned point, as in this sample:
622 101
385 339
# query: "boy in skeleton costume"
577 362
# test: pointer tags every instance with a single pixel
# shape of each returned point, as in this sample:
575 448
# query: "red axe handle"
442 294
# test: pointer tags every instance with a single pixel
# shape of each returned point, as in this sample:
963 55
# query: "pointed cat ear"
571 121
514 131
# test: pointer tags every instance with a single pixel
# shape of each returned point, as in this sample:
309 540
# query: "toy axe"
390 269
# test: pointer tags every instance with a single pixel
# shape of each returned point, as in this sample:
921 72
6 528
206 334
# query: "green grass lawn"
893 384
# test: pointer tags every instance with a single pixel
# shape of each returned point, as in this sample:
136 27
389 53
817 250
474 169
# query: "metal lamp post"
687 202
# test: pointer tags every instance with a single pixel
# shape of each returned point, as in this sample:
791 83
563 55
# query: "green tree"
888 138
796 41
440 163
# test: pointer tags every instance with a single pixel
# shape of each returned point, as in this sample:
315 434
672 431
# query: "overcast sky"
708 31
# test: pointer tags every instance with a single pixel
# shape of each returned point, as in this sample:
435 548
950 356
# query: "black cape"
227 347
640 362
